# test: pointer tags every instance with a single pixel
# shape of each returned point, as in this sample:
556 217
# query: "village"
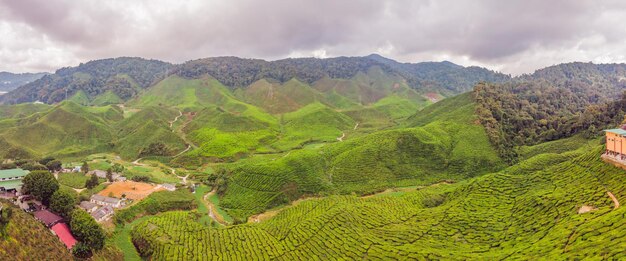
118 193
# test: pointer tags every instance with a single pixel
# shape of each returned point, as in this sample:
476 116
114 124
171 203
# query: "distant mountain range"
10 81
126 77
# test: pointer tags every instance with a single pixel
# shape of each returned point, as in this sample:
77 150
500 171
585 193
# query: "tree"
41 184
81 250
33 166
117 168
62 202
45 160
10 165
86 229
85 167
92 182
5 217
110 175
54 165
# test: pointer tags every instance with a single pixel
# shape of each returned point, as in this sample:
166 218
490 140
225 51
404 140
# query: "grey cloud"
515 36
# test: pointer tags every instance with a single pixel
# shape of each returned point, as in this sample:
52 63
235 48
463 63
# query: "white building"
106 201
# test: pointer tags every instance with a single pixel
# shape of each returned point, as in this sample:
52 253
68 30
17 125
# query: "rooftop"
63 232
11 173
97 197
86 205
47 217
616 131
11 184
101 212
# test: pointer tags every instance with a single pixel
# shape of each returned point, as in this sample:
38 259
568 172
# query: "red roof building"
48 218
63 232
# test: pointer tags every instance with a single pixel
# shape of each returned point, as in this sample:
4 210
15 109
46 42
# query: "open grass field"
73 179
132 190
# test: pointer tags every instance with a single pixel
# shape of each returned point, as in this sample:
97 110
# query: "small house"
168 186
63 232
47 218
102 213
88 206
106 201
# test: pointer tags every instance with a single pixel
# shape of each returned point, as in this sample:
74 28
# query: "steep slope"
28 239
235 72
136 133
516 215
123 76
434 150
278 98
68 129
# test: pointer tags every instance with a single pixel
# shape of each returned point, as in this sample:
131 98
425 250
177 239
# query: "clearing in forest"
133 190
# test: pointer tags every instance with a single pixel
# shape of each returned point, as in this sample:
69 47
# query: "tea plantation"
509 214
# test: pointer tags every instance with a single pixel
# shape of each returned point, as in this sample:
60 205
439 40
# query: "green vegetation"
439 149
63 202
496 216
75 180
41 184
27 239
86 229
157 202
123 76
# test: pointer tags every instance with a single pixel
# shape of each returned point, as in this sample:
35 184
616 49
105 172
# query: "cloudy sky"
509 36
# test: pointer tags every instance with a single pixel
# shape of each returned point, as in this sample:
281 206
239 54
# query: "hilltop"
10 81
126 77
123 76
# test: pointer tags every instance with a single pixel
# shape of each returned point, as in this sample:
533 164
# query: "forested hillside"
125 77
553 103
10 81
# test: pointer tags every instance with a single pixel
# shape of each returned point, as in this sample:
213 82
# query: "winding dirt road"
615 201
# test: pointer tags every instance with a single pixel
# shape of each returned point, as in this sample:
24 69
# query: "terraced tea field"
512 214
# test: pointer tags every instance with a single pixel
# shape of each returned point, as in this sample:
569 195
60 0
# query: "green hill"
106 98
67 129
496 216
278 98
438 149
136 133
124 76
80 97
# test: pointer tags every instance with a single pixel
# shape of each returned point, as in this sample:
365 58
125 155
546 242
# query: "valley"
368 162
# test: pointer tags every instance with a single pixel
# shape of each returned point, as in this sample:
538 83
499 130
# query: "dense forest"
553 103
123 76
445 77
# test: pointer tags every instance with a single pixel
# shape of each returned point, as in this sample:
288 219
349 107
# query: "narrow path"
188 147
78 190
355 126
343 135
136 162
184 179
615 201
212 212
175 119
